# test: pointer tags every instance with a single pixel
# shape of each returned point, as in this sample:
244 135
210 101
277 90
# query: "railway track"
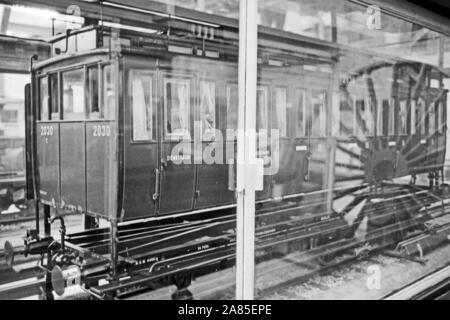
165 250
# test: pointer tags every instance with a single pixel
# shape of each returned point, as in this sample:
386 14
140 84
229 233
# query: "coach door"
297 148
176 143
101 140
141 139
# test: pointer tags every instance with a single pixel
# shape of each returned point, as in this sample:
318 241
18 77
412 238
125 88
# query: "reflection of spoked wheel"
182 281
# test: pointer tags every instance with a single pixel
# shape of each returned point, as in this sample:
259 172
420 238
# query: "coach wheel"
326 259
9 254
445 190
182 281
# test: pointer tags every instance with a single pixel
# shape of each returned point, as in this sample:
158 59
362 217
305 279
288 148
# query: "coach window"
232 108
54 97
413 116
379 124
73 94
403 117
43 97
318 125
93 107
391 119
440 117
281 106
141 104
421 115
208 109
261 109
177 108
301 116
108 105
431 119
370 116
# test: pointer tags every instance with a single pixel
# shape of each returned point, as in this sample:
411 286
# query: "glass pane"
73 94
261 109
12 144
403 117
54 97
421 118
208 109
413 117
177 107
142 105
351 194
300 111
94 107
318 114
281 105
36 23
232 106
43 96
108 110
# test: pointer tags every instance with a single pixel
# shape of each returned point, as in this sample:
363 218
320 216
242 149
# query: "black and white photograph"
236 152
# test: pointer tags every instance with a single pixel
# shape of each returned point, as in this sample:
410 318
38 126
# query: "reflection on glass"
232 106
261 109
208 108
12 140
359 188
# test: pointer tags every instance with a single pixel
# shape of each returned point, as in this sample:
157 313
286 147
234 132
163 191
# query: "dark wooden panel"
73 179
101 167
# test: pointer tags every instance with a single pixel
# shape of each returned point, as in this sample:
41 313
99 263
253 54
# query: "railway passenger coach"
109 125
139 129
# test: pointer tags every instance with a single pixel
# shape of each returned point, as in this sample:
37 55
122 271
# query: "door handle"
157 180
163 164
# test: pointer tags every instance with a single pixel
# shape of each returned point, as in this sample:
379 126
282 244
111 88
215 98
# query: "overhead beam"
141 12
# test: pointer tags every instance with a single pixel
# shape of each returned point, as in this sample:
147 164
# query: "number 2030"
102 131
46 131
